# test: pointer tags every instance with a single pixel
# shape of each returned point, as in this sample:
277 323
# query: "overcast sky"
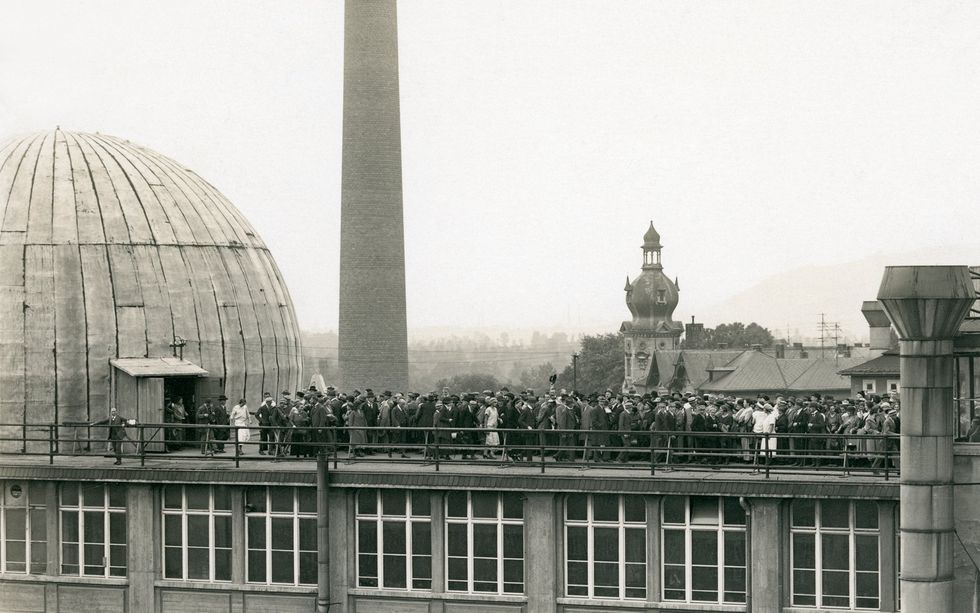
541 137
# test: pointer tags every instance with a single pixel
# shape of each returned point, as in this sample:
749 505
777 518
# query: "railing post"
541 445
435 442
51 443
768 453
237 448
653 457
142 443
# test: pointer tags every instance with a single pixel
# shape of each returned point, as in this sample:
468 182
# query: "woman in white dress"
492 421
240 418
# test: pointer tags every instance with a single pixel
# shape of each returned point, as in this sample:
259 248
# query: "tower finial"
628 287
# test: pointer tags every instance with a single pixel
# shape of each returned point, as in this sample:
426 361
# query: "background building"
111 252
651 298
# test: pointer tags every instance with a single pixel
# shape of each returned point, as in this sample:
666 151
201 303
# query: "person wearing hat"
264 415
221 434
371 411
241 419
355 424
117 432
205 416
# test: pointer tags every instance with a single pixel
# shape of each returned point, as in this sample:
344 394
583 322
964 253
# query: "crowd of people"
566 426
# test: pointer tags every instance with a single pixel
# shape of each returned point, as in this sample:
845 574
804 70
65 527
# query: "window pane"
394 567
256 532
513 505
803 513
222 531
636 575
704 583
456 504
674 547
393 537
576 542
198 530
94 527
93 495
866 552
117 528
69 494
835 583
704 510
393 502
635 508
421 538
605 542
69 526
606 574
674 581
256 566
485 540
576 507
282 533
485 569
834 513
457 570
198 496
197 563
513 541
307 568
867 585
117 495
578 574
605 507
422 567
39 557
835 551
282 502
173 566
222 498
704 547
39 526
733 511
865 515
421 501
282 567
367 570
734 584
222 565
307 534
804 551
456 539
306 496
484 504
172 535
367 502
514 571
171 497
734 549
674 510
255 499
16 528
636 544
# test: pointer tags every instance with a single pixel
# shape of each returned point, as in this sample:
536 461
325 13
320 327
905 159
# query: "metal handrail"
843 453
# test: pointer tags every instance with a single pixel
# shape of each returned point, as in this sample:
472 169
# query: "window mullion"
721 560
107 561
268 536
688 563
590 544
379 539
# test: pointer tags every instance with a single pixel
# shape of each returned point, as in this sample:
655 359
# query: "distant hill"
795 298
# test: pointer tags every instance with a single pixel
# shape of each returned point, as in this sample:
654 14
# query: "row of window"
834 545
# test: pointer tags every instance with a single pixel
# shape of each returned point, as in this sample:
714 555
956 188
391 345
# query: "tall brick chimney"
927 305
373 348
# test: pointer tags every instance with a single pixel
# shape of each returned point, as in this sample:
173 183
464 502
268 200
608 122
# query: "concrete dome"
651 299
110 250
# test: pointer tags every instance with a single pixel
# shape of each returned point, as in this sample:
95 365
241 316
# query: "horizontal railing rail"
763 453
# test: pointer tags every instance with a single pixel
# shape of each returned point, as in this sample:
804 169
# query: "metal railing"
761 453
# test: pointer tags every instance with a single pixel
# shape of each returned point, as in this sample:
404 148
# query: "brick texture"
373 328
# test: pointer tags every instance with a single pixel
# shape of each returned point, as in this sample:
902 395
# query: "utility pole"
575 371
822 329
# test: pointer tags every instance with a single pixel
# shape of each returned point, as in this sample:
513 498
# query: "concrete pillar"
766 556
141 549
343 572
541 558
926 304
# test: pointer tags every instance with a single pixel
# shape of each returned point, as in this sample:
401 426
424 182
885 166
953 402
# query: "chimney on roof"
780 350
756 347
879 325
798 346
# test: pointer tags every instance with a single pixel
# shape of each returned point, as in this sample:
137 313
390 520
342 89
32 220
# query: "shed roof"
158 367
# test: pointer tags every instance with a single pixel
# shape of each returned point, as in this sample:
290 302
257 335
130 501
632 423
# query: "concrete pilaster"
766 556
653 548
540 557
343 572
142 551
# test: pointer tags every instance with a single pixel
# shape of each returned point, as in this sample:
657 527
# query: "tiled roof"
886 364
758 371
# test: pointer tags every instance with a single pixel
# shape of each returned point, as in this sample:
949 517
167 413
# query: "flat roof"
158 367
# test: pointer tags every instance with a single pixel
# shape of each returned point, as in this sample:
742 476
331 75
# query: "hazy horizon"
540 138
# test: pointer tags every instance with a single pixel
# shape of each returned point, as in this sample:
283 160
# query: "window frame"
470 521
30 508
873 388
297 516
818 530
621 525
720 529
80 509
409 519
184 513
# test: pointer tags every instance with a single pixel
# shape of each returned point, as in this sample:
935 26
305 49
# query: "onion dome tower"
651 299
126 278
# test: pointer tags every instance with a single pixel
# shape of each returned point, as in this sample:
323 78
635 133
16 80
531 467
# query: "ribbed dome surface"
652 299
109 249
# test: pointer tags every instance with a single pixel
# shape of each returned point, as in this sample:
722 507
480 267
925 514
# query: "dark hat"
300 394
285 393
370 392
387 394
222 397
266 394
312 388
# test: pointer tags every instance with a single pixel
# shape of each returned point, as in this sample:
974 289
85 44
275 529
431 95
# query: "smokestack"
879 325
926 304
373 335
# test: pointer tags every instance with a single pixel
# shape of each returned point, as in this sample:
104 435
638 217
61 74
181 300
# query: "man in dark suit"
264 415
117 431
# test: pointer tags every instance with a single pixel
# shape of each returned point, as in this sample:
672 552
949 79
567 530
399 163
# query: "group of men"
565 426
